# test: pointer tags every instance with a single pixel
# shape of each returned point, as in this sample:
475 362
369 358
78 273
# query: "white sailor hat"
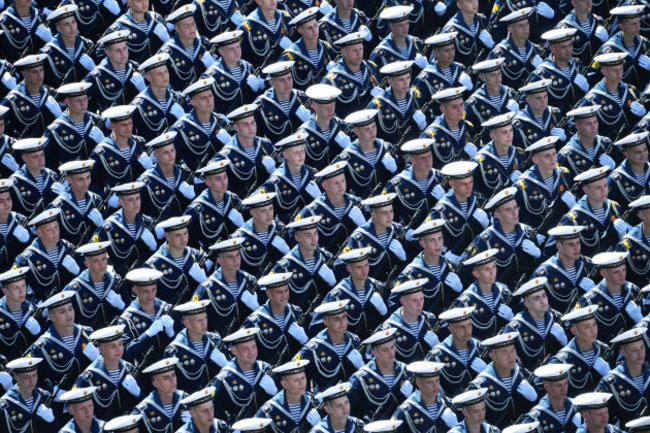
143 276
331 171
108 334
241 336
78 395
408 287
128 188
449 94
161 366
502 197
199 397
584 112
395 69
532 286
114 37
522 428
386 425
260 199
228 245
518 15
630 336
332 308
379 201
499 121
279 68
76 167
175 223
118 112
154 62
306 223
426 368
122 424
29 145
13 275
630 11
418 146
354 255
556 36
591 400
482 258
640 203
322 93
441 39
23 365
638 425
181 13
164 139
455 315
362 117
353 38
58 300
545 143
45 217
304 16
428 227
202 85
251 424
227 38
553 372
566 232
291 367
538 86
380 337
193 307
63 11
214 167
242 112
580 314
73 89
6 184
274 280
489 65
93 248
297 139
610 59
501 340
334 392
592 175
3 110
396 13
610 259
31 61
459 169
633 139
469 398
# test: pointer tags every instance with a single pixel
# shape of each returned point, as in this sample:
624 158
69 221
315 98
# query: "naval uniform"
393 120
361 174
467 43
321 146
528 129
27 198
516 67
89 304
25 118
456 375
353 425
159 197
333 28
74 222
14 336
449 142
142 40
355 87
615 115
96 426
107 88
493 174
306 71
535 199
16 416
256 254
210 220
380 259
632 72
433 79
638 245
550 420
137 321
533 343
260 38
409 338
485 321
480 108
60 65
416 416
17 40
111 168
183 68
273 121
585 44
230 92
578 159
630 398
65 143
387 50
561 93
155 417
625 186
290 196
582 376
277 409
9 244
152 117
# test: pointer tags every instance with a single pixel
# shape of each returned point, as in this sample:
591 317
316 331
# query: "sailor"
200 407
79 403
473 409
7 161
265 29
590 31
337 407
471 28
636 243
213 16
19 326
629 181
24 30
398 45
14 235
343 20
594 409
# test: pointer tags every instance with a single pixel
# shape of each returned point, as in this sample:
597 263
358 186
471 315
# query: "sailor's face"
15 292
67 27
5 203
131 203
203 101
231 53
637 154
557 388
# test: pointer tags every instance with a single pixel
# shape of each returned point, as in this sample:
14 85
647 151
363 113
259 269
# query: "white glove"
161 32
644 62
601 366
218 358
254 82
268 385
223 136
112 7
634 311
69 263
145 161
186 416
581 82
466 81
368 34
470 149
21 234
478 365
342 140
207 59
406 389
569 199
44 33
187 190
87 62
53 106
540 239
440 9
487 40
607 160
536 61
437 192
131 385
268 163
389 162
312 189
96 135
327 275
586 284
527 391
32 326
237 18
91 351
177 111
58 393
512 105
95 217
409 235
480 216
376 91
431 339
577 420
5 380
302 113
113 201
637 109
285 42
58 188
45 412
420 61
155 328
137 81
250 300
559 334
160 232
115 300
505 312
313 417
280 244
324 8
197 273
168 324
420 119
559 132
620 227
397 249
9 80
298 333
356 216
515 175
530 248
236 217
329 66
545 10
601 34
355 358
378 302
452 257
453 281
148 239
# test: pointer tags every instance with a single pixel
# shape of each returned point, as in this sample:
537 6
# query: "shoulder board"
522 184
626 243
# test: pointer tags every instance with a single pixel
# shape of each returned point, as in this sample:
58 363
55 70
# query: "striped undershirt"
27 22
82 204
464 355
433 411
180 261
70 52
585 26
361 294
549 182
423 184
311 265
591 151
640 178
69 343
233 286
286 106
507 381
435 270
18 316
415 328
295 412
141 26
327 134
132 229
171 182
37 99
282 320
313 56
590 356
572 274
347 25
251 152
522 54
340 349
126 153
80 127
340 212
3 229
207 128
489 299
541 327
402 104
264 237
53 255
389 379
561 415
273 25
456 134
495 101
448 75
121 74
566 71
250 376
615 97
114 375
618 300
512 238
464 207
638 382
383 238
600 214
30 403
163 104
99 289
404 51
221 206
189 51
297 180
169 410
236 73
371 157
199 348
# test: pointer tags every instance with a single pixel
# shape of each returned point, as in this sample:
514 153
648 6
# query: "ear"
491 354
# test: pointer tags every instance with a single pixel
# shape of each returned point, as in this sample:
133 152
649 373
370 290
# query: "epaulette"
479 157
626 244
